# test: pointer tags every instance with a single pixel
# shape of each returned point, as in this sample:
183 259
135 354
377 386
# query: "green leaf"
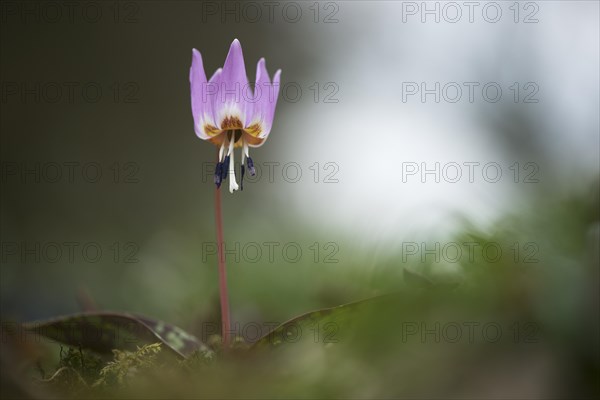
104 331
328 325
417 280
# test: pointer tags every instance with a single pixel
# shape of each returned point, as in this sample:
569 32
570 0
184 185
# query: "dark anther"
251 169
218 172
225 170
242 170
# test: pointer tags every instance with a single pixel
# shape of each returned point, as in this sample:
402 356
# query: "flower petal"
202 98
215 77
269 111
230 104
263 111
213 89
255 105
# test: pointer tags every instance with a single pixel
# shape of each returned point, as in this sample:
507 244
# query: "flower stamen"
218 178
230 164
251 169
242 167
246 154
222 151
225 169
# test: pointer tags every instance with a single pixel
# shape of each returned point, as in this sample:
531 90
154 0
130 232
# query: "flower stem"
225 323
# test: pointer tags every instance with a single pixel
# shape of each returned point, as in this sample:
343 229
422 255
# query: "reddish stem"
225 323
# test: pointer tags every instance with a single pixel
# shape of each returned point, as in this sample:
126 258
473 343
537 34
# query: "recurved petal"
270 107
201 98
197 79
256 105
231 101
264 108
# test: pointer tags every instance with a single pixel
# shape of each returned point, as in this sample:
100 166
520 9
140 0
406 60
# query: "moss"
127 364
75 373
86 363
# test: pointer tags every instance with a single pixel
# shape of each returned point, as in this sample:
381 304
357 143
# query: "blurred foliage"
522 324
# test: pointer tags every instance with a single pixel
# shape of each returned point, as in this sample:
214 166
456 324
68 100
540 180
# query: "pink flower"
229 113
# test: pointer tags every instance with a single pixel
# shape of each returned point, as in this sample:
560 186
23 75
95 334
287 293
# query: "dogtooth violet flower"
229 113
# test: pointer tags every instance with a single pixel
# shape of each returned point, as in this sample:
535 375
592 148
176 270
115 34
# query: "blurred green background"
151 210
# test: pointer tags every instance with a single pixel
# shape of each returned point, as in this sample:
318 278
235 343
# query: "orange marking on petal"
254 130
211 130
231 123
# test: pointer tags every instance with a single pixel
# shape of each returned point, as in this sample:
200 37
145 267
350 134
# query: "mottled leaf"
104 331
174 336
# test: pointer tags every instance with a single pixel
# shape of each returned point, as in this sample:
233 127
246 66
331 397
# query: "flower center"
225 166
